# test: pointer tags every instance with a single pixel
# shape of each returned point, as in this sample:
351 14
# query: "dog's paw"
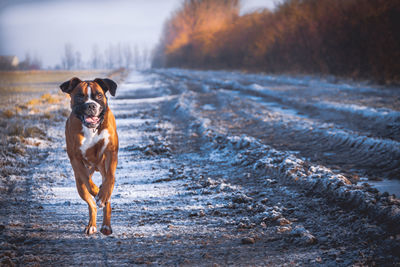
102 197
89 230
106 230
100 203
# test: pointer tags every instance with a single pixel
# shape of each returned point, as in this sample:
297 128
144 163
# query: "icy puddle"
390 186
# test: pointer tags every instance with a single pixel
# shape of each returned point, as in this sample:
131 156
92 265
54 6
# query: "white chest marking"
90 138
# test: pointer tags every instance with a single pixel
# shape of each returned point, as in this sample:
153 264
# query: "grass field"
21 86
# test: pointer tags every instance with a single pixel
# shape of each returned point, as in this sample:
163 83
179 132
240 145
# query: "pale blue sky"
43 27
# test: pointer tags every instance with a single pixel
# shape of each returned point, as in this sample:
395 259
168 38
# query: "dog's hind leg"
86 196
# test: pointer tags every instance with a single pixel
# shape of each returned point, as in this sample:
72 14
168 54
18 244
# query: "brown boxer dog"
92 145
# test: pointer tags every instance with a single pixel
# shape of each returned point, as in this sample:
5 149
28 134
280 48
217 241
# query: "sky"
43 27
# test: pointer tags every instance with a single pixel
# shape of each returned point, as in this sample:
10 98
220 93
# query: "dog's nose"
91 106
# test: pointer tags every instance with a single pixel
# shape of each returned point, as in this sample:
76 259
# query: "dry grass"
33 102
27 89
49 99
15 130
21 86
21 131
44 99
29 78
8 114
48 115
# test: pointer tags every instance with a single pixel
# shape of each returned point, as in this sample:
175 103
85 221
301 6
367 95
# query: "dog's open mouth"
91 119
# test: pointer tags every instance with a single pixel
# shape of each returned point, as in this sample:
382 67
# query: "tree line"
353 38
112 57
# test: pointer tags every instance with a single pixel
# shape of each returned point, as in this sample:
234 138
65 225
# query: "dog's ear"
107 85
68 86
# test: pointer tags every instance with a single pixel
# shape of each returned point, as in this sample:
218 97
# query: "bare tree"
145 57
36 63
68 60
78 60
96 57
27 58
136 57
128 56
27 62
118 56
109 54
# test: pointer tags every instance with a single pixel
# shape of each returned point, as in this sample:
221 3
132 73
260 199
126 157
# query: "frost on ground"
215 170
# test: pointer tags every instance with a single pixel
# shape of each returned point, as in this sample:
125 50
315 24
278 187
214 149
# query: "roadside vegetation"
351 38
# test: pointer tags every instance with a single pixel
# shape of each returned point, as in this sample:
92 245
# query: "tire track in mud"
360 108
247 152
360 142
322 144
287 165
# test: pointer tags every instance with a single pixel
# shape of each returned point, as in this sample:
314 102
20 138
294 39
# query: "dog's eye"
99 96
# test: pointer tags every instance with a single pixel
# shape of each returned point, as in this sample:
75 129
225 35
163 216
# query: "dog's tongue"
92 120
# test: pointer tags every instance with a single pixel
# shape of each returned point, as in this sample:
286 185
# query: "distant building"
8 62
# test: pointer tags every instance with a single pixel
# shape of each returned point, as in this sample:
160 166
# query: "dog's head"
88 99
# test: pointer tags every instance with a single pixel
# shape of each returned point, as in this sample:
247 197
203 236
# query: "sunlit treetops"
354 38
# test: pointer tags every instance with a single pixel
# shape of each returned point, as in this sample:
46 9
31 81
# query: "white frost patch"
119 102
367 112
137 81
64 193
165 125
208 107
218 156
329 131
147 192
231 79
280 110
37 142
132 122
256 87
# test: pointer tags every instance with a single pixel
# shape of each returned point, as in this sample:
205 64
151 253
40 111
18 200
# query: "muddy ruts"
291 168
353 128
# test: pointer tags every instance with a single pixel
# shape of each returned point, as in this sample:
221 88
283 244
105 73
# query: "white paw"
90 230
99 203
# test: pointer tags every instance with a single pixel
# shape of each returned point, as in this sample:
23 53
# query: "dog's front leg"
106 226
107 171
103 198
86 189
85 176
86 196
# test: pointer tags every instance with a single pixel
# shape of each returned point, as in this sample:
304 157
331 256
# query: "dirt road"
219 173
